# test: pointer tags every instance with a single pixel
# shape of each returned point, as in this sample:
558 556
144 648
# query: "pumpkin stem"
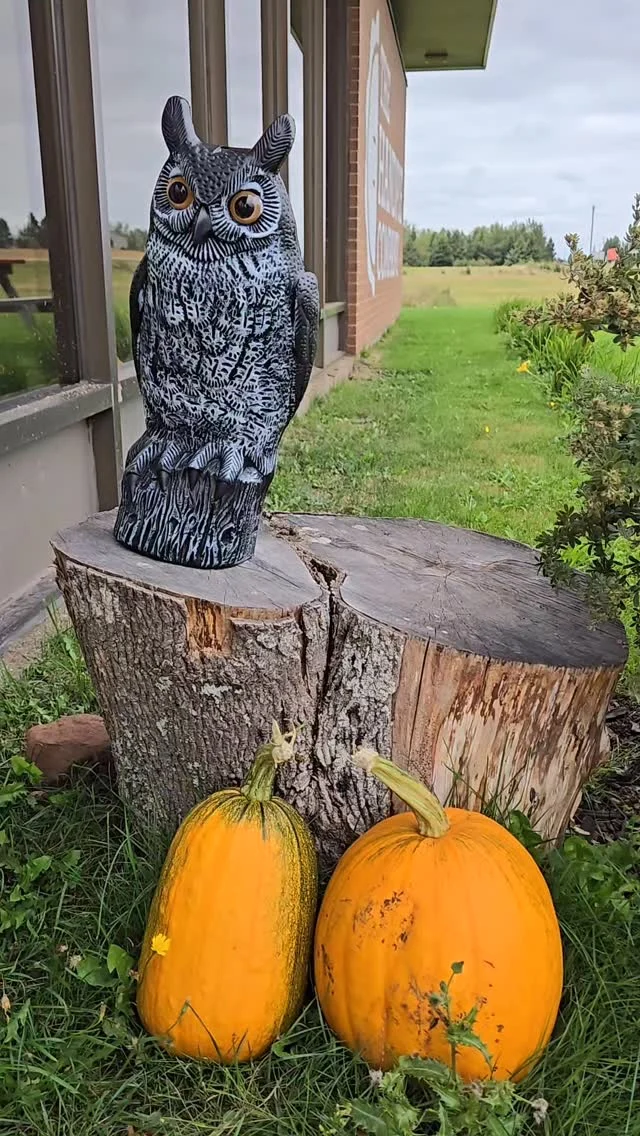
429 813
281 748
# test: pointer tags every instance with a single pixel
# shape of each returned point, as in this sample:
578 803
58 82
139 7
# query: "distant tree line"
124 237
518 243
33 234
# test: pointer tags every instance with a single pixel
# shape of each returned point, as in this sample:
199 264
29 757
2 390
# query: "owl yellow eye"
245 207
179 193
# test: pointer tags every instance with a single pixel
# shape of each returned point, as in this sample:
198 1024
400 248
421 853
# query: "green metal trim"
427 12
333 309
27 421
20 614
26 418
208 57
127 382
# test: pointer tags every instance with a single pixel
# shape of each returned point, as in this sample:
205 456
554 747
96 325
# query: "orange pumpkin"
225 958
419 892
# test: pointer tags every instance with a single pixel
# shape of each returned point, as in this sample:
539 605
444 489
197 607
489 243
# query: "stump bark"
444 648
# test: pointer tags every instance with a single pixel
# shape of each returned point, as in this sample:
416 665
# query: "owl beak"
202 228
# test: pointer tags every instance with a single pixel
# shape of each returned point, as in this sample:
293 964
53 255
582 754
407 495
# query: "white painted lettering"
385 85
390 177
388 253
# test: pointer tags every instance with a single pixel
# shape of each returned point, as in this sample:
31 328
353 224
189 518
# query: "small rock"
55 746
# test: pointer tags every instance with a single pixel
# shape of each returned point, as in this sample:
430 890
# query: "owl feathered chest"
213 334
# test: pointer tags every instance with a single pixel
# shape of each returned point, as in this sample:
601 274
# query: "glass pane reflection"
143 56
28 356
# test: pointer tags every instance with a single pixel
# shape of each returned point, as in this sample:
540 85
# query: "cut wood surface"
444 648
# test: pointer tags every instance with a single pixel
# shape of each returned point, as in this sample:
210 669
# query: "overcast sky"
550 128
141 60
552 125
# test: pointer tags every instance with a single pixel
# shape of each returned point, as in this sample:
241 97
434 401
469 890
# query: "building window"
243 24
296 158
143 59
28 354
337 153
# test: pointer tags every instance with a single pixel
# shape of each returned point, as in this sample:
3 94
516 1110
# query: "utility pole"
593 217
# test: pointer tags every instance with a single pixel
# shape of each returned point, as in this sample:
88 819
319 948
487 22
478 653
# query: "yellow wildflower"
160 944
523 369
487 429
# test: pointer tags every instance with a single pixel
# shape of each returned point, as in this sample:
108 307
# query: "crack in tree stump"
442 647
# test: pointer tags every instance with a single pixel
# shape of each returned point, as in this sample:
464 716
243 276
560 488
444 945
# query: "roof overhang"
443 35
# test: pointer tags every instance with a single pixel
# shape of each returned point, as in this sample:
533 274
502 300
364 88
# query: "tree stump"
444 648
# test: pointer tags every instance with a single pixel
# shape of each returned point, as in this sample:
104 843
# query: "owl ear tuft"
177 124
274 147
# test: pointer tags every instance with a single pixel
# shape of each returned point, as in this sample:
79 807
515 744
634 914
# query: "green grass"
609 359
480 286
73 1058
28 356
77 1064
448 431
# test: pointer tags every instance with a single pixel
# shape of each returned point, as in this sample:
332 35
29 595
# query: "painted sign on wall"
384 172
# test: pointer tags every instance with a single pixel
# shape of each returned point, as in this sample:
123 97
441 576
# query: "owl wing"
137 295
306 315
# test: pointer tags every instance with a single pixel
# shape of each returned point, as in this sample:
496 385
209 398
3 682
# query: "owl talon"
223 488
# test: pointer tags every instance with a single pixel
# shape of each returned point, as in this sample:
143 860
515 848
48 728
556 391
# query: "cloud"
142 55
550 128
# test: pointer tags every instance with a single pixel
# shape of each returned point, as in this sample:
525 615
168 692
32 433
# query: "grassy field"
447 431
33 277
480 287
439 425
28 358
78 879
28 352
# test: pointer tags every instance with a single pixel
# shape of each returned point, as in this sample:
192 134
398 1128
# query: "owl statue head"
224 323
210 199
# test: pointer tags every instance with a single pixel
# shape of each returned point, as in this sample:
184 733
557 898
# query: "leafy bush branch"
577 343
607 293
601 532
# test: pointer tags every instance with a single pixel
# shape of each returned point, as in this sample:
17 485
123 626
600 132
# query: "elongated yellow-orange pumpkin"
418 893
225 956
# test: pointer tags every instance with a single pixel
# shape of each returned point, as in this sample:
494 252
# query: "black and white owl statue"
224 324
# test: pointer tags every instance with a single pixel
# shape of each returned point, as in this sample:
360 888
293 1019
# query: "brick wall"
377 108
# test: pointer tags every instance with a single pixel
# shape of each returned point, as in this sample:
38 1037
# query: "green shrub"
601 533
27 353
559 354
606 295
556 354
609 359
584 344
563 360
504 311
123 334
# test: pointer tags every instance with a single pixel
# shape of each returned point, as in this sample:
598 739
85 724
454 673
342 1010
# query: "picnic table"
24 305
